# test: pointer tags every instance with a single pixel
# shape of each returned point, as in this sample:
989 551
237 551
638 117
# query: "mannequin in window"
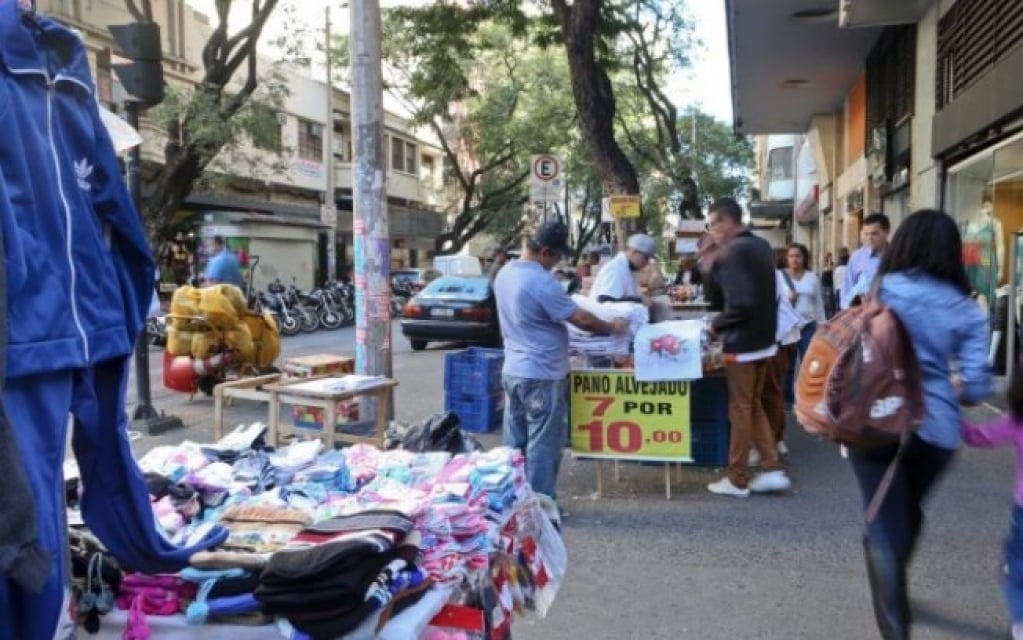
984 248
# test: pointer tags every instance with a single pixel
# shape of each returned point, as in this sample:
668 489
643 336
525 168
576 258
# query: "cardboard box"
312 417
319 364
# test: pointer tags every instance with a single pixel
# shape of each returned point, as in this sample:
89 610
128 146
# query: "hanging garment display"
79 283
21 556
980 259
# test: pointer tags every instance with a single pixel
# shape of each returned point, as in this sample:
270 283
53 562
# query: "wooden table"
244 388
290 392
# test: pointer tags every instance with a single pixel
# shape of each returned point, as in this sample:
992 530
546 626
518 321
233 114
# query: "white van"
458 265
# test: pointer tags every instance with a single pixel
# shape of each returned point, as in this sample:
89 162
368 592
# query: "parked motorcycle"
330 318
274 300
156 330
308 321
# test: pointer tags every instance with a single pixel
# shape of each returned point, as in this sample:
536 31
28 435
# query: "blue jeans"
805 335
1012 584
890 540
535 422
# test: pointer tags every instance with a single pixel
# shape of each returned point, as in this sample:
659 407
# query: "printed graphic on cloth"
669 351
613 415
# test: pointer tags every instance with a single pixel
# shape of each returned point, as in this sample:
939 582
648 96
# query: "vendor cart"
209 343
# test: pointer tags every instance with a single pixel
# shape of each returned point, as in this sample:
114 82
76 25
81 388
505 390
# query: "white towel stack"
581 341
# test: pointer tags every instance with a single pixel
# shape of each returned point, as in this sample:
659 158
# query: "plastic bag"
240 341
204 344
439 432
179 342
185 301
218 308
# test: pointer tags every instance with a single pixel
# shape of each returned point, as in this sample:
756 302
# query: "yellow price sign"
612 415
624 206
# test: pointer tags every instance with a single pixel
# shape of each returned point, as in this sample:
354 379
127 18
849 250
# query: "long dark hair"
928 242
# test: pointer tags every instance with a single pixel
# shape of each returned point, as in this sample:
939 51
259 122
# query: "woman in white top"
804 290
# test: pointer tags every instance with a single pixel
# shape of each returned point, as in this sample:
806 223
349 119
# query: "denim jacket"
946 327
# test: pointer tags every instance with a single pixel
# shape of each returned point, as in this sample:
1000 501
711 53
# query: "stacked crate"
472 387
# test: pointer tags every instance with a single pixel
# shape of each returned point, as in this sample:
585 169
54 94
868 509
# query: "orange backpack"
860 383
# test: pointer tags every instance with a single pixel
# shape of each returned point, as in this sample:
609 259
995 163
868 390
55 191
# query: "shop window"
310 140
985 195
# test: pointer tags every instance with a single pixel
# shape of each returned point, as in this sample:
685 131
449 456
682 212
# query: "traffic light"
142 75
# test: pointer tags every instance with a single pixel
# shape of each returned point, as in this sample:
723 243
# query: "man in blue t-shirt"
224 266
532 308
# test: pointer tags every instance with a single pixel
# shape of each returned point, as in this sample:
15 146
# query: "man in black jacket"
745 272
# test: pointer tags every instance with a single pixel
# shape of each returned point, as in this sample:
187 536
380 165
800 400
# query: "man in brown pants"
745 272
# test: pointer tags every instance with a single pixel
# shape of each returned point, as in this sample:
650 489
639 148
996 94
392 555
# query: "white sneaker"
783 449
724 487
770 481
754 457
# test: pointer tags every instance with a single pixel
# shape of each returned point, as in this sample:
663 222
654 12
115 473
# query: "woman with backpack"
922 280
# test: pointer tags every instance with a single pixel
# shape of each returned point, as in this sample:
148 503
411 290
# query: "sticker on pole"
546 183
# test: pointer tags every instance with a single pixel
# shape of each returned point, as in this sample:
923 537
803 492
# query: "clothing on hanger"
79 282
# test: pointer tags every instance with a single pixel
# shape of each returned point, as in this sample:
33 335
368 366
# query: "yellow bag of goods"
235 296
217 308
240 341
256 325
185 301
269 345
179 342
204 344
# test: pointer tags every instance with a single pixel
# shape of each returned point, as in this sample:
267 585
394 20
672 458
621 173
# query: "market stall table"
328 394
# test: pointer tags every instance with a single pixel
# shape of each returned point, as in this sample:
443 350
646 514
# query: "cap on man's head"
554 235
643 243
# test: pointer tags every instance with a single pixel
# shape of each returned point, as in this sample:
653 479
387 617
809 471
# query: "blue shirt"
533 307
859 275
945 326
224 268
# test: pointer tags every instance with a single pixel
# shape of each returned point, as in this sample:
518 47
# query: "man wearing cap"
617 279
533 309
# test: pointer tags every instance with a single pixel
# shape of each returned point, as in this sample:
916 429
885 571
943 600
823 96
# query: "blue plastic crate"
476 370
478 413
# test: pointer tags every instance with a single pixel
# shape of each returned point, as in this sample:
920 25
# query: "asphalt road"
707 567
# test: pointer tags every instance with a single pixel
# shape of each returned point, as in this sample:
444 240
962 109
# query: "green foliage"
248 144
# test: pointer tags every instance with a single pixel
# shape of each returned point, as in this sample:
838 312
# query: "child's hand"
957 384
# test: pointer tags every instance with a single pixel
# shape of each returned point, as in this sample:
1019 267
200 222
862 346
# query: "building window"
397 154
410 158
310 140
973 36
891 72
779 164
428 169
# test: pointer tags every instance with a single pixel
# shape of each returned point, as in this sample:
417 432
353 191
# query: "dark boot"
888 591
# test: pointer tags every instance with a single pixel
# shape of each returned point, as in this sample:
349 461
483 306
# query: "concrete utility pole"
372 239
328 214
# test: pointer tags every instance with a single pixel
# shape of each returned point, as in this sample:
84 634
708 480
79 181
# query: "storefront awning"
790 61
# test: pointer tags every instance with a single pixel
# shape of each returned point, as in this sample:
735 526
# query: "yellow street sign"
624 206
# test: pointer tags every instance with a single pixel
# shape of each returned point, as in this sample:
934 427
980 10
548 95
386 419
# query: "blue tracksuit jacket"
80 272
79 282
